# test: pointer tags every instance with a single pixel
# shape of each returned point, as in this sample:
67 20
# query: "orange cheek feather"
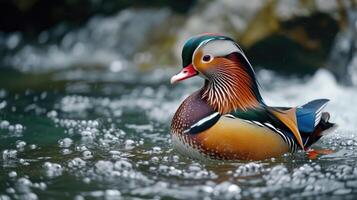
197 61
201 66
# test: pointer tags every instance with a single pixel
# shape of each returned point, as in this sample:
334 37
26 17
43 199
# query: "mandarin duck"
227 118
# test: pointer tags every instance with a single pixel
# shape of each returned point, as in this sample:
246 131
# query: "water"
80 120
104 137
103 41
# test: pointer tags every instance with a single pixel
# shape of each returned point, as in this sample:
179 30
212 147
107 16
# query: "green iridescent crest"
192 44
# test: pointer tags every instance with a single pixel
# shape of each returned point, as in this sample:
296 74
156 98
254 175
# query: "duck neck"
230 90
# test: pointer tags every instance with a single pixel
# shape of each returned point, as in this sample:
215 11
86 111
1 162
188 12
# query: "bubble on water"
175 158
194 168
52 114
116 66
158 188
65 142
112 194
104 167
204 173
3 93
4 197
28 196
23 162
12 174
206 189
41 185
76 163
249 169
305 174
122 165
321 186
96 194
155 159
52 169
87 154
18 128
278 175
4 124
11 128
156 150
20 144
79 197
74 104
86 180
227 190
83 123
13 40
33 146
129 144
93 123
66 151
109 139
342 172
43 95
81 148
194 171
348 142
87 134
23 185
2 104
10 190
8 154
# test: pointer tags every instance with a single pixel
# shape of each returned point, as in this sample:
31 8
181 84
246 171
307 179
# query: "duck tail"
324 127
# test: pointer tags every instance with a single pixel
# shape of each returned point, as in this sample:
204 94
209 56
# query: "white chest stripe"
202 121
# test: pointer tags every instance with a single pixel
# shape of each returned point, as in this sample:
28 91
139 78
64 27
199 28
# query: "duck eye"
206 58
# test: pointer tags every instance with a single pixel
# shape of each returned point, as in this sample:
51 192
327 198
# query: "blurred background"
293 37
86 104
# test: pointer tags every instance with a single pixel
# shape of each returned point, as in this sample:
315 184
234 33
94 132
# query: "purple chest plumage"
193 109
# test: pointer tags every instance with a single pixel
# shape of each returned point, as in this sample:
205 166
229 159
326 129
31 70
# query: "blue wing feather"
309 115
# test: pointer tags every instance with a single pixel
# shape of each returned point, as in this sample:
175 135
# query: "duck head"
230 82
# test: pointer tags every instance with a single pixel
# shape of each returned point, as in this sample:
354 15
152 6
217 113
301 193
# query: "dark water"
89 133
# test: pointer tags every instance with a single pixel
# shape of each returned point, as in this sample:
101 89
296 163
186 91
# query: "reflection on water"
76 139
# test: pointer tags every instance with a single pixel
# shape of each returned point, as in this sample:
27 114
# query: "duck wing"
300 126
279 120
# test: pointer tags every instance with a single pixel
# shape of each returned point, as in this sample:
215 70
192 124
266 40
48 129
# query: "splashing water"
103 41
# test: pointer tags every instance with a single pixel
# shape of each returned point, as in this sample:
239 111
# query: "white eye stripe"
219 48
215 48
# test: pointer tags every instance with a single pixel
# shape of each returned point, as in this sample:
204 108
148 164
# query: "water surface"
91 133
